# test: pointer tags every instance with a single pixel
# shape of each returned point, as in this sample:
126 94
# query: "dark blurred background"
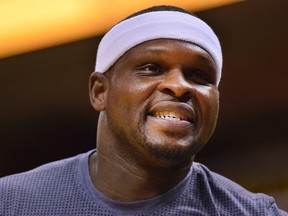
45 113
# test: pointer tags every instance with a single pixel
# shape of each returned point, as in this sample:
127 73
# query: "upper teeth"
168 115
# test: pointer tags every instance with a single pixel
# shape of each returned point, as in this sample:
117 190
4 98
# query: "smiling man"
156 87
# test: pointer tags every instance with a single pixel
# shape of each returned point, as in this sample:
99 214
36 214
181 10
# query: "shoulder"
220 184
39 174
41 183
230 196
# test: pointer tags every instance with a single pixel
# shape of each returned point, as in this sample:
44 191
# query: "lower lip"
171 124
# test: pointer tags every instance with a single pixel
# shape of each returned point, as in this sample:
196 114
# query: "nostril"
168 91
186 97
181 95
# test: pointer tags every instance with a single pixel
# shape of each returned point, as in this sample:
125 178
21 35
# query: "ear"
98 87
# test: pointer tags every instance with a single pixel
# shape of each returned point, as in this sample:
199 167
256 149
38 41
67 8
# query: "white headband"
155 25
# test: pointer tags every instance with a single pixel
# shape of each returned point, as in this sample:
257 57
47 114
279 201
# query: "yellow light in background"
27 25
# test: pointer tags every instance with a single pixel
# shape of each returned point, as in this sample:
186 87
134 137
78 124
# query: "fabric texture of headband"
156 25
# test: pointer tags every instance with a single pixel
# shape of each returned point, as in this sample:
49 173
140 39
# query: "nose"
175 84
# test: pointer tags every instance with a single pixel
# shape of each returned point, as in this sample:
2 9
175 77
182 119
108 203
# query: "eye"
199 77
150 69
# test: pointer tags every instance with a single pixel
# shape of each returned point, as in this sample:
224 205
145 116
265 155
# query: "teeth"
168 115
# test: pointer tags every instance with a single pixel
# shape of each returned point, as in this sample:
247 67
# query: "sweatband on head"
156 25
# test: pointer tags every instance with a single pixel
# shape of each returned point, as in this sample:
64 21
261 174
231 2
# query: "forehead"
165 48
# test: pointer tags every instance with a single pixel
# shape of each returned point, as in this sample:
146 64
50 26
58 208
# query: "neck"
124 181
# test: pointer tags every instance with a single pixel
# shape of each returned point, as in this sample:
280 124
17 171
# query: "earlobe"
98 86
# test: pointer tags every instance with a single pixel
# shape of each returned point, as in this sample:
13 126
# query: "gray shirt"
65 188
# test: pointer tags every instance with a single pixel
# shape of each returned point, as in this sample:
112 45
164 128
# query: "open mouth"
173 111
172 116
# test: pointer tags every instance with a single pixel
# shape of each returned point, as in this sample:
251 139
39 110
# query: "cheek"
209 106
138 91
142 86
129 98
209 97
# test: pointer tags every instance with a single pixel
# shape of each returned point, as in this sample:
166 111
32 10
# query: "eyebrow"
155 51
205 58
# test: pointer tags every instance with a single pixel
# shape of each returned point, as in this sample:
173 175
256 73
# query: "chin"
170 151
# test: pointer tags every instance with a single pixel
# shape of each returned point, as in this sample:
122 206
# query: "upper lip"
183 110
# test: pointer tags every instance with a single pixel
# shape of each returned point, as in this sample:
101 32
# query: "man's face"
162 99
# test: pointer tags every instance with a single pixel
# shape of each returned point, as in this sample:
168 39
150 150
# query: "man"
156 87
